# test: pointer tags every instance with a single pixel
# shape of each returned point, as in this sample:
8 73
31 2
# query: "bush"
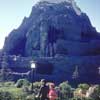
37 84
83 86
7 84
13 93
66 90
22 82
6 96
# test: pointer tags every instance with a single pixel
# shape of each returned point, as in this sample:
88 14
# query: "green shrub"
14 93
6 96
36 84
22 82
66 90
7 84
83 86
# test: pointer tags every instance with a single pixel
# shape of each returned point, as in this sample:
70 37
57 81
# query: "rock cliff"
58 32
52 29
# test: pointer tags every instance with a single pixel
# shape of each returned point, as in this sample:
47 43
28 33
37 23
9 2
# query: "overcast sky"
12 13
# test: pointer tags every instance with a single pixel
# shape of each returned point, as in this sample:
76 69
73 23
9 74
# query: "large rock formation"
54 28
58 29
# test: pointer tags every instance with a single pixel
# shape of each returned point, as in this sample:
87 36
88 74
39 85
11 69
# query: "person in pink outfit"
52 92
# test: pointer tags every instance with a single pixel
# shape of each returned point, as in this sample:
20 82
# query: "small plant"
22 82
65 90
83 87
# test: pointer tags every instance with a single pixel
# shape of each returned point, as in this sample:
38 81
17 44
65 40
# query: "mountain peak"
51 29
57 1
72 3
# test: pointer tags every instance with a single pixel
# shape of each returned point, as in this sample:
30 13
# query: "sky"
12 13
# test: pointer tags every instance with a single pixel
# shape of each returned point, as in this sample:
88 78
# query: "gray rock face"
58 33
54 29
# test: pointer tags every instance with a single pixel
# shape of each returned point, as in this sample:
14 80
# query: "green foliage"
18 94
36 84
83 86
65 87
22 82
13 93
65 90
10 92
7 84
6 96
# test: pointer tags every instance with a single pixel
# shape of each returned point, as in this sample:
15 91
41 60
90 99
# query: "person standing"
52 92
44 90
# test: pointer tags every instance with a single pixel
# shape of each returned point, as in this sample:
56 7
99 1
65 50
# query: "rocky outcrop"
54 29
61 34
